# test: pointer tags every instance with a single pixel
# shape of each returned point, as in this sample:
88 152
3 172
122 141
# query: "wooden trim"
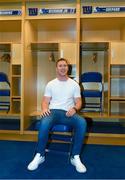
91 138
106 139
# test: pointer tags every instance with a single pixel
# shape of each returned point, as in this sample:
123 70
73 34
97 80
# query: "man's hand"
45 112
45 106
70 112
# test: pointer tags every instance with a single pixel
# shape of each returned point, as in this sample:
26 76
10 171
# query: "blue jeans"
59 117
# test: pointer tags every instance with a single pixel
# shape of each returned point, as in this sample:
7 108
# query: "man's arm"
78 103
45 106
73 110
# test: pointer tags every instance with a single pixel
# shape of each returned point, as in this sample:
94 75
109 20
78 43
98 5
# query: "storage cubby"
117 106
16 86
15 109
116 90
9 125
53 29
117 94
16 70
16 89
117 71
101 26
10 21
117 79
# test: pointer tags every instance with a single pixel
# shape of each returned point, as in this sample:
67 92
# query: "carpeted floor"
102 162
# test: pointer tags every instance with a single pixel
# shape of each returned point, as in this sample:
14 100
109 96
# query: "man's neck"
62 78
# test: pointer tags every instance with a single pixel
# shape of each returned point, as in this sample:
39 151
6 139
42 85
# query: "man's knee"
45 123
81 122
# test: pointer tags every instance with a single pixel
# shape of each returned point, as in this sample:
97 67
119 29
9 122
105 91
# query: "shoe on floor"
36 162
75 161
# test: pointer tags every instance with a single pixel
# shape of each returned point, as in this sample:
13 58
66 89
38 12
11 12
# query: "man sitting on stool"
60 104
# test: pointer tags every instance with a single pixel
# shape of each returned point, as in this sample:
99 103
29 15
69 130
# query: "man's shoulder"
52 81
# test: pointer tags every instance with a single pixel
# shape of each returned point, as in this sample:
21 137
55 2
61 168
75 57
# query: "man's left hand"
70 112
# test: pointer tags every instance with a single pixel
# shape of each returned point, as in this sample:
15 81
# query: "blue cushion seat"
91 93
4 92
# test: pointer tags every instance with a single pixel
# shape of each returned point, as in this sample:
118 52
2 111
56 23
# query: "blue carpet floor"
102 162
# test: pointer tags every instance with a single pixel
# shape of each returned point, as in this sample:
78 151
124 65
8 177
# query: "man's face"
62 68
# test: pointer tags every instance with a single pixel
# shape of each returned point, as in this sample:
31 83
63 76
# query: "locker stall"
94 58
10 61
47 39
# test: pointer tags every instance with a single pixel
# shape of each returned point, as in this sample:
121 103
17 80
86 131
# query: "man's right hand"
45 112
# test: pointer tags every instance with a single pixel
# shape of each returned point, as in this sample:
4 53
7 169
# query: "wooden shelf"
104 16
16 97
9 114
117 65
93 115
50 17
16 76
48 46
117 98
117 76
105 116
117 115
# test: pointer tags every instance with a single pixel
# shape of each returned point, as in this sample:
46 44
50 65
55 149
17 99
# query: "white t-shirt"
62 93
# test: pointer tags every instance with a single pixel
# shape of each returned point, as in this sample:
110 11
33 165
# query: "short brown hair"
62 59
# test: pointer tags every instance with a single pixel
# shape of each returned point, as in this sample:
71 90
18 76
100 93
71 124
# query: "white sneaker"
78 164
36 162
